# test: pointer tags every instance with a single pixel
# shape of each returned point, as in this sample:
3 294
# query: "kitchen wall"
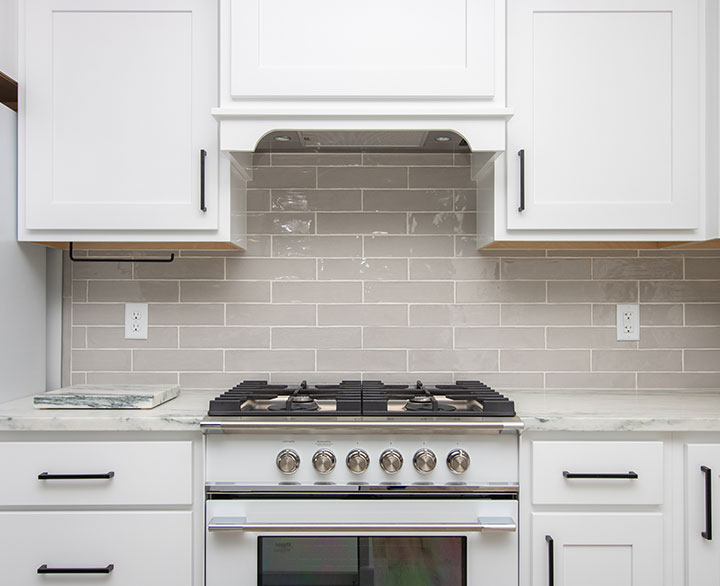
365 265
22 295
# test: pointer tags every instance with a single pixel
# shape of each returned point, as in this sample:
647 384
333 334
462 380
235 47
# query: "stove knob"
391 461
288 461
324 461
458 461
357 461
424 460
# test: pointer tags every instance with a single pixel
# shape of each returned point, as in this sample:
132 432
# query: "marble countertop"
539 410
661 410
183 413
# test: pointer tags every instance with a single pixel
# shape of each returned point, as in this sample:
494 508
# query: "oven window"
362 561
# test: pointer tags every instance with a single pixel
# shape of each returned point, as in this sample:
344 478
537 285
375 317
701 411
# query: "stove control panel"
362 459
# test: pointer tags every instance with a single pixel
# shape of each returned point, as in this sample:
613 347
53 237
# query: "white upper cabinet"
607 116
115 114
283 48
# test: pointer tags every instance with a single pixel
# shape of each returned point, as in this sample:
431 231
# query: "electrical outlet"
136 321
628 322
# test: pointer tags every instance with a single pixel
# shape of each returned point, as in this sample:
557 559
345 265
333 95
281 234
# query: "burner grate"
368 398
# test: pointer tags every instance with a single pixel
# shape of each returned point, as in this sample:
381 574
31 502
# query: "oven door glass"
362 561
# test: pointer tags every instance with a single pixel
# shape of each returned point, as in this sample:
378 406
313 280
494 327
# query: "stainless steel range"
361 484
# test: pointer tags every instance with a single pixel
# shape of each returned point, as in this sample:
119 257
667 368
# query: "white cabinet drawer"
581 473
144 548
142 473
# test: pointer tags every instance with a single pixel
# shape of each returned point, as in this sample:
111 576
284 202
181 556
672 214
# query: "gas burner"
299 400
426 405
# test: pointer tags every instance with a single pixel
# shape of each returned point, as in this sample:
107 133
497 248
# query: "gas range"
357 435
352 482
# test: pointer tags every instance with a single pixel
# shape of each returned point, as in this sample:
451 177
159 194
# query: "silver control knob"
357 461
324 461
391 461
458 461
288 461
424 460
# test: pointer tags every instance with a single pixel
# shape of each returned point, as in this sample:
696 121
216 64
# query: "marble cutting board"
106 397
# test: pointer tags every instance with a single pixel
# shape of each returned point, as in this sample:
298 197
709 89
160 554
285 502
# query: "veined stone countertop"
696 410
540 410
183 413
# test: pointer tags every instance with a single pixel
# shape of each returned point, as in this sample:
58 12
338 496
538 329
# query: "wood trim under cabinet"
143 245
8 92
604 245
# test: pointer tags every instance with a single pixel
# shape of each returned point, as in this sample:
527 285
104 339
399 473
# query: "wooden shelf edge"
8 91
143 245
600 245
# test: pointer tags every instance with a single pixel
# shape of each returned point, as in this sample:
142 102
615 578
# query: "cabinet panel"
606 101
703 555
144 473
622 549
283 48
116 109
145 548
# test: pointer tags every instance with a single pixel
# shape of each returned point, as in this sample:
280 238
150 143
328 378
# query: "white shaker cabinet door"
606 97
597 549
114 112
369 48
702 487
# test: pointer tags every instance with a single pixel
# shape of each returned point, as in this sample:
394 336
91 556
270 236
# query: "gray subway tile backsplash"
364 265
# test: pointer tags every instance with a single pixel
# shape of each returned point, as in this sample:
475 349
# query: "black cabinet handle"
203 154
45 570
48 476
627 476
551 560
707 534
521 154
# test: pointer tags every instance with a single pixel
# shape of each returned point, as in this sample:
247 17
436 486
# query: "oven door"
361 542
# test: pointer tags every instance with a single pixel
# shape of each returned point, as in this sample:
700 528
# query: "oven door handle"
490 524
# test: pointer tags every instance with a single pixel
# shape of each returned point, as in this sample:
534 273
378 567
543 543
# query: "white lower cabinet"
597 549
596 510
119 547
93 509
702 522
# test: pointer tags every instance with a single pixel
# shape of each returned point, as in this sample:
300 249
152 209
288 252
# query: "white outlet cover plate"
628 315
136 321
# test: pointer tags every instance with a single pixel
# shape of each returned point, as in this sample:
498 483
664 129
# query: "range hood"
299 141
393 128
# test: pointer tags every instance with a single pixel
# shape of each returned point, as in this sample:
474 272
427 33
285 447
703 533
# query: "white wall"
22 292
8 38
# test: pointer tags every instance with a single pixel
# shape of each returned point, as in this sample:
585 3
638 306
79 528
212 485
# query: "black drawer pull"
626 476
521 154
45 570
707 534
551 560
203 154
48 476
